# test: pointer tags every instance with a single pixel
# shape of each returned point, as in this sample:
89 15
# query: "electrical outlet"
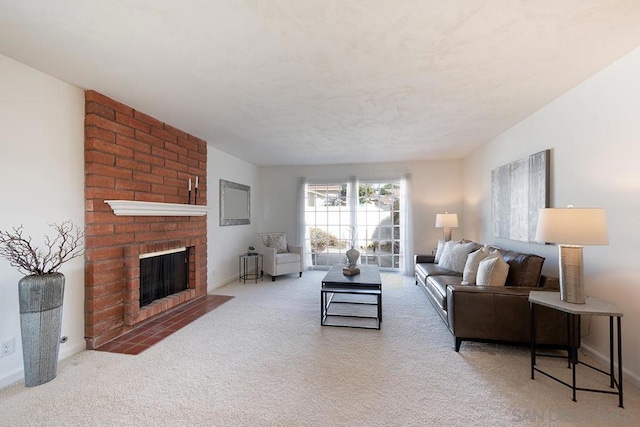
7 347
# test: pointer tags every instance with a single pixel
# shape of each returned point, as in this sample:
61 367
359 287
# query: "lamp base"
446 234
571 274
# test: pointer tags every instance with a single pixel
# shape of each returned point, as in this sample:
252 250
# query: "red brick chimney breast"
130 155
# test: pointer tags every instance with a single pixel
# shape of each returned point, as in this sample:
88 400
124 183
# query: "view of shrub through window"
375 233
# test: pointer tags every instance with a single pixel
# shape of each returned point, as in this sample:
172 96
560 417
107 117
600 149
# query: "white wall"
437 187
593 132
224 244
41 181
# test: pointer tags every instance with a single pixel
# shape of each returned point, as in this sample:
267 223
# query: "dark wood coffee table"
368 282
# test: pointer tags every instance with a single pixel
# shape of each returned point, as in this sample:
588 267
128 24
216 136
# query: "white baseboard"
70 351
11 378
627 375
18 374
222 282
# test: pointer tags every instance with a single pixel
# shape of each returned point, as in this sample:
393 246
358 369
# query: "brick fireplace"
130 155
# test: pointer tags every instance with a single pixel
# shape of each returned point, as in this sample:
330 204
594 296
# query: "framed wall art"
518 190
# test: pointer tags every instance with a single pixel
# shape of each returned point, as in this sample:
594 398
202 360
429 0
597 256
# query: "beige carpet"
263 359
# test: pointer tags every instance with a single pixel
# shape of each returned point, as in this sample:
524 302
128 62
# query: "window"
370 221
326 218
379 223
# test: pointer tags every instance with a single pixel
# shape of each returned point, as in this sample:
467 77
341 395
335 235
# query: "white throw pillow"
492 271
439 251
454 256
446 249
471 266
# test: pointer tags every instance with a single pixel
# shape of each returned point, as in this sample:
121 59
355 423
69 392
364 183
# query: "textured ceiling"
282 82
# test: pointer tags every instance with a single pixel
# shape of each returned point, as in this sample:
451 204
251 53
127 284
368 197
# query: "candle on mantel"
189 184
196 182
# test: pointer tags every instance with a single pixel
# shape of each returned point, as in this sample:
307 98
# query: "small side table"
593 307
244 261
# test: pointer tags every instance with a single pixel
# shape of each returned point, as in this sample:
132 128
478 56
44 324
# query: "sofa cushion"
492 271
471 266
454 256
524 269
287 257
430 269
437 285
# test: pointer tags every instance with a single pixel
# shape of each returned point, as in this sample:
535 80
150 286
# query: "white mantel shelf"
136 208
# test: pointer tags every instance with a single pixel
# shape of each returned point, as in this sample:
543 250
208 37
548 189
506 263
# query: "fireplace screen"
163 274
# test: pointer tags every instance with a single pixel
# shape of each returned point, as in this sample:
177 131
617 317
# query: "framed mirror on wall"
235 203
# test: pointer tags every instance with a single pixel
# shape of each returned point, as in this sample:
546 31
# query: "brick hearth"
155 330
130 155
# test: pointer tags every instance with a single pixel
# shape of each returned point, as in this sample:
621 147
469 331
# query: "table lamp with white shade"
571 228
446 221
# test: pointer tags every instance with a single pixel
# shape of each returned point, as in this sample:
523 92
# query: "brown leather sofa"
489 313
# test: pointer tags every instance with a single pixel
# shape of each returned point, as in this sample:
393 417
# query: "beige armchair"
280 257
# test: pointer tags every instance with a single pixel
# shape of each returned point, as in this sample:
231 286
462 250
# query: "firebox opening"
163 274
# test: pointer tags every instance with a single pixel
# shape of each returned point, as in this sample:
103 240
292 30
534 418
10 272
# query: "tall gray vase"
41 323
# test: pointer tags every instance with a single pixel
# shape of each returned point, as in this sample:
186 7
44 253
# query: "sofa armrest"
487 312
502 313
294 249
421 258
493 290
269 260
466 302
549 283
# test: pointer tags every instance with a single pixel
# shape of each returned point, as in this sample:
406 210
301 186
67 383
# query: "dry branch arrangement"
20 253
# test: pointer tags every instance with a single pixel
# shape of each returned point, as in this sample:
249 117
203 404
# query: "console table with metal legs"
593 307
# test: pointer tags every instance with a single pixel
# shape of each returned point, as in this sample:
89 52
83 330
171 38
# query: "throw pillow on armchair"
279 243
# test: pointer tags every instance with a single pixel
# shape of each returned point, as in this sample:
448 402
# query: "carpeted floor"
263 359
